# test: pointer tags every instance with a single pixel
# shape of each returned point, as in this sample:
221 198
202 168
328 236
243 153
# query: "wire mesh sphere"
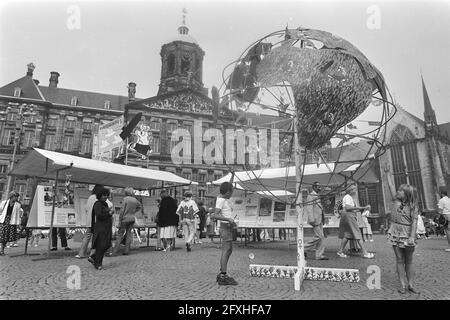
331 81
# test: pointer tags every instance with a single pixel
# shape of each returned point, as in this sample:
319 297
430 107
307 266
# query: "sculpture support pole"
299 207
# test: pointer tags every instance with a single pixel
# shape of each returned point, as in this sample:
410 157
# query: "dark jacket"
101 225
202 216
167 213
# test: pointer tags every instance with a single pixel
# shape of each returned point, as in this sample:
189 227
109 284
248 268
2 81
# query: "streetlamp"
24 110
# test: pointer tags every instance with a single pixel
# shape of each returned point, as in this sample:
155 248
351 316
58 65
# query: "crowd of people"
406 226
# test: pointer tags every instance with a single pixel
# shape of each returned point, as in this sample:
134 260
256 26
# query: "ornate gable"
180 101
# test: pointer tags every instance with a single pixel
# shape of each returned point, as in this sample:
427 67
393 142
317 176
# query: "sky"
116 42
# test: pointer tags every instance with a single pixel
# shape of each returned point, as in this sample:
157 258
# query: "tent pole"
299 207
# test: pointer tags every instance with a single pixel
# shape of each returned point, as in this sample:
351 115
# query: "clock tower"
182 63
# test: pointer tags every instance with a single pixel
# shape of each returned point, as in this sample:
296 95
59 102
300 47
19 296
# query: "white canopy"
43 164
285 178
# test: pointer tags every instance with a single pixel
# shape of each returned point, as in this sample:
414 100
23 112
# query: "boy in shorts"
224 213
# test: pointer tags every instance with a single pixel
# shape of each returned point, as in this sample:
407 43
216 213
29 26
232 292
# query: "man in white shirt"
187 211
315 219
444 209
224 213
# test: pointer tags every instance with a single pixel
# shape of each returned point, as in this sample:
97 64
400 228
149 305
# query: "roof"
285 178
444 129
43 164
265 120
29 89
85 98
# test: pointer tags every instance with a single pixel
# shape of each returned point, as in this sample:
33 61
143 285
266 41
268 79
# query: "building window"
217 176
8 137
74 101
86 145
50 142
17 92
202 177
155 125
2 189
405 161
367 194
3 168
68 143
156 144
187 175
11 116
171 63
21 189
107 105
28 139
52 121
171 127
31 119
70 123
201 193
87 125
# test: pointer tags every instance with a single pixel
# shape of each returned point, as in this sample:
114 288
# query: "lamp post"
24 110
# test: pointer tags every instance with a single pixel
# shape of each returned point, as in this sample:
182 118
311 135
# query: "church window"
185 63
171 63
405 161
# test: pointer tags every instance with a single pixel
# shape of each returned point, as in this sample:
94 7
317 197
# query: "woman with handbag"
102 228
167 220
10 216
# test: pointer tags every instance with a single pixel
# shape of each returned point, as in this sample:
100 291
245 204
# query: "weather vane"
184 15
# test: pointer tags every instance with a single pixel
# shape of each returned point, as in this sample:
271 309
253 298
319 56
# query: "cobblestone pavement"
148 274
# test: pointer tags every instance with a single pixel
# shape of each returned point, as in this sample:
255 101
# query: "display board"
66 211
70 209
254 211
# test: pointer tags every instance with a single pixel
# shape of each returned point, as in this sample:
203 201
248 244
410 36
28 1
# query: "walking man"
315 216
127 219
444 209
224 213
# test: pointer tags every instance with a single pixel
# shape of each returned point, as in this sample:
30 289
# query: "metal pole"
126 152
55 193
299 207
16 142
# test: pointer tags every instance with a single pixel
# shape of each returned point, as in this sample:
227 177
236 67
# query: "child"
367 228
421 232
224 213
36 235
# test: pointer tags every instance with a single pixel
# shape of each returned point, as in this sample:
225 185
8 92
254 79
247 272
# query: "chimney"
53 79
30 70
131 91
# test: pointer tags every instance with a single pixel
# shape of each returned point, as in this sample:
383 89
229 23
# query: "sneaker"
369 255
67 249
36 245
79 257
188 247
15 245
371 240
225 280
53 249
342 255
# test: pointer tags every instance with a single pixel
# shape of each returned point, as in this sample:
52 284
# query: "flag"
126 132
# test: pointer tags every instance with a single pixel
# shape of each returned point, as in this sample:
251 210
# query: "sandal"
369 255
402 290
342 255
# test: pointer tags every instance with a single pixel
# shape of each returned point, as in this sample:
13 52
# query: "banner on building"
107 142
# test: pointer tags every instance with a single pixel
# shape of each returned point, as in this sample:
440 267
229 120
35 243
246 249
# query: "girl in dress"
367 227
10 216
402 234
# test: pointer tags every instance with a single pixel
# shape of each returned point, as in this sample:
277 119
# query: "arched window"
171 63
405 161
